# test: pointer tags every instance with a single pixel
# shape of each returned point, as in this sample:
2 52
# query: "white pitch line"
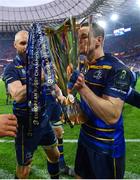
75 140
68 140
132 140
6 141
42 173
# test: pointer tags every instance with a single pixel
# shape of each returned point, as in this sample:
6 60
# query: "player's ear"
99 41
14 44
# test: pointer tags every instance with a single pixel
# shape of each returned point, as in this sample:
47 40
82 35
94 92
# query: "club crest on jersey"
97 74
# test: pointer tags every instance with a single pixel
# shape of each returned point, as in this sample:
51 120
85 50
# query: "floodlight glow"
138 2
114 17
102 24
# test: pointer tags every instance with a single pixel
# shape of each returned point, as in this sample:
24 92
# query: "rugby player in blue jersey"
103 90
15 78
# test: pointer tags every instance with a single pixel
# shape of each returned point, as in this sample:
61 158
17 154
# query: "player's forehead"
21 36
83 30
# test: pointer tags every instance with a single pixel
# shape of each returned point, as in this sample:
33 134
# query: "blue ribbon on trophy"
38 60
46 58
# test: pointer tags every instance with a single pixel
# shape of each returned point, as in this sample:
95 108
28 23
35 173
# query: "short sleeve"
10 74
118 83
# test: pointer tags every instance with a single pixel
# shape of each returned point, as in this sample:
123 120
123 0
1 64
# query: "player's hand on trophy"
8 125
66 100
80 82
70 99
61 99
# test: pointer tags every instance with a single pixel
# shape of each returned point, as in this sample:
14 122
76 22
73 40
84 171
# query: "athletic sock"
53 169
62 163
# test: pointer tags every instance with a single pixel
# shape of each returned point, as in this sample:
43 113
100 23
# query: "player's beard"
89 53
23 56
88 49
82 49
90 56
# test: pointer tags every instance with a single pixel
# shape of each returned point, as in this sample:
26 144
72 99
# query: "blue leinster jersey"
16 71
108 76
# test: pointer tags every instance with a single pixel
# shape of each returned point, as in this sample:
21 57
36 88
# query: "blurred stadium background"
121 20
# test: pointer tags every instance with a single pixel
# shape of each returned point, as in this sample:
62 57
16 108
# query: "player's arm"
59 94
133 98
17 91
13 83
106 107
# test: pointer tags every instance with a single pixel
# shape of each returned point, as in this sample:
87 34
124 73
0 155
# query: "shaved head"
21 41
21 34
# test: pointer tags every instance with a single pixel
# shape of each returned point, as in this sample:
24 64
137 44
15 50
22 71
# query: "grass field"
132 134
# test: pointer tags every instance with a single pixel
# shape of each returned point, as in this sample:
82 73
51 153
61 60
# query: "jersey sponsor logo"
122 80
123 74
97 74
